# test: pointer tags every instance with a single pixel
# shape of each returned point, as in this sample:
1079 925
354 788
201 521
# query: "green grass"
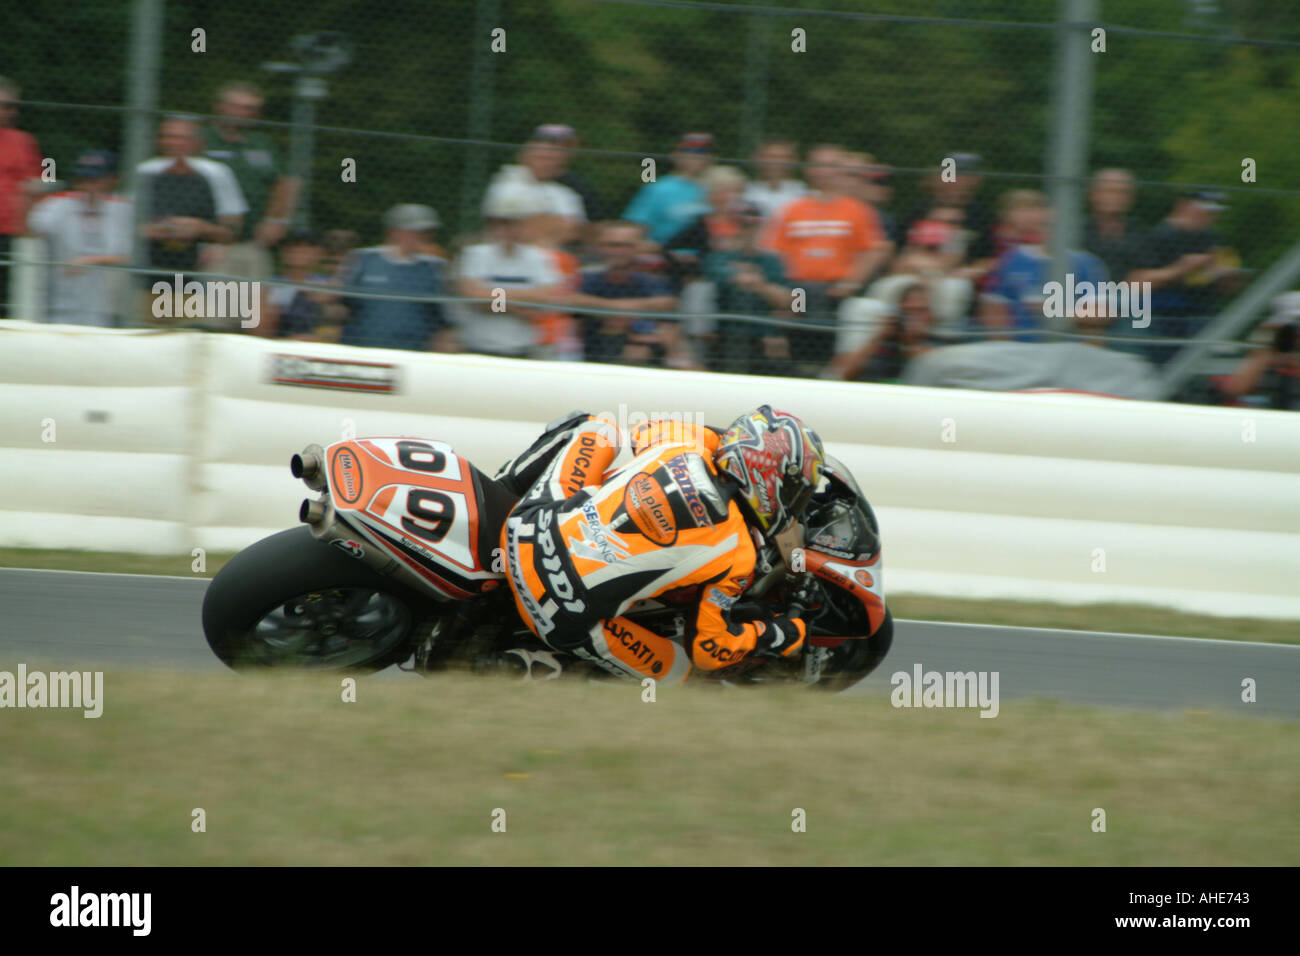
590 774
1120 618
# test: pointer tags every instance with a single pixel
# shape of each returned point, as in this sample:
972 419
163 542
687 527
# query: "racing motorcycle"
397 561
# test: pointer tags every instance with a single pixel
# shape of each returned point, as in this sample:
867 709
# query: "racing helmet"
776 460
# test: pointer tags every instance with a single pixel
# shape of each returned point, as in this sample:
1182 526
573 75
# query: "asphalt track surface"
72 620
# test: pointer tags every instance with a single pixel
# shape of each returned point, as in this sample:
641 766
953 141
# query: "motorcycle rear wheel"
291 600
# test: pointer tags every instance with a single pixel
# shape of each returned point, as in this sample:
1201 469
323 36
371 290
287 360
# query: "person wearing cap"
566 137
401 268
85 227
669 203
233 139
20 171
1189 269
503 273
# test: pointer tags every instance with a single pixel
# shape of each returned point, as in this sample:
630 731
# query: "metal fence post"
302 143
142 66
486 19
755 108
142 86
1068 151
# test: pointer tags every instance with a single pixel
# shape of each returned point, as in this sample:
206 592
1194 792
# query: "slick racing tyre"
291 600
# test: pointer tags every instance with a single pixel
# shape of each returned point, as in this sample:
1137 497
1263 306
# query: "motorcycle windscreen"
836 469
843 549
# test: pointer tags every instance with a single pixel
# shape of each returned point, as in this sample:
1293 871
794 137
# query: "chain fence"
807 190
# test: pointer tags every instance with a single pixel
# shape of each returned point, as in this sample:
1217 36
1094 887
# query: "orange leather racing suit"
582 547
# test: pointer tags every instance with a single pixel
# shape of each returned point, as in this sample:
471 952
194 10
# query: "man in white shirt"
774 184
84 227
505 271
185 201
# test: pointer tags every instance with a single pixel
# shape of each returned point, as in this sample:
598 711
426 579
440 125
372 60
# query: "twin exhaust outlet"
309 466
319 515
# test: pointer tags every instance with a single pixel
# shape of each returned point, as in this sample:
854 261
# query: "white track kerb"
166 441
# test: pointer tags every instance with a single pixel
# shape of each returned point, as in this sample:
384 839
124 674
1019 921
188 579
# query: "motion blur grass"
1117 618
587 773
1114 618
181 565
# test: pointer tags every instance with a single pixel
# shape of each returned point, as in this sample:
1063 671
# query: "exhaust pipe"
304 465
312 512
319 515
308 466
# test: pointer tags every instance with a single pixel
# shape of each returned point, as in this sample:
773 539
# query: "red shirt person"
20 163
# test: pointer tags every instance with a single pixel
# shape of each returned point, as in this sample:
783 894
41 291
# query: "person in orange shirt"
557 332
830 243
686 512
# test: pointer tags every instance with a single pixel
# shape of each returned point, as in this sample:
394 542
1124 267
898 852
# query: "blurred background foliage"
910 83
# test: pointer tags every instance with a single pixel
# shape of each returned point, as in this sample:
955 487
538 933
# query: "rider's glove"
781 636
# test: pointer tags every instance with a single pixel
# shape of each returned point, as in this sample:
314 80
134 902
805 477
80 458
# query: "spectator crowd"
795 263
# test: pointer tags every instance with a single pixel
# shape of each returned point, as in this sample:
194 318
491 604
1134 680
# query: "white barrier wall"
168 441
95 435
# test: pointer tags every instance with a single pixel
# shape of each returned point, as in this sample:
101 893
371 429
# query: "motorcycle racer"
690 510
